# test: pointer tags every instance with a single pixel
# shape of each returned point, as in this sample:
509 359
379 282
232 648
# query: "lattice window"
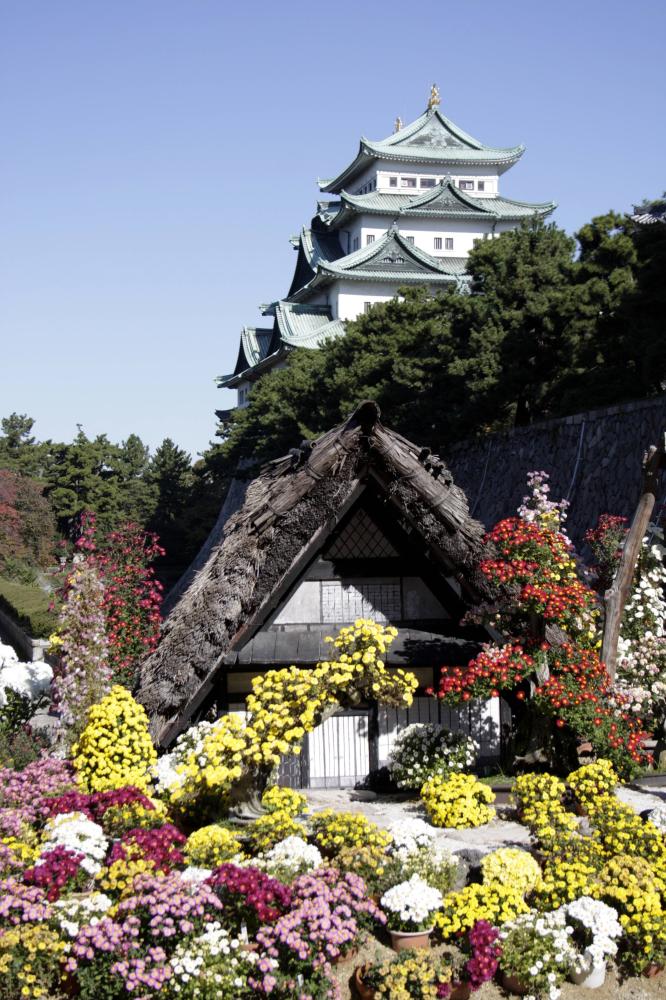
347 602
361 538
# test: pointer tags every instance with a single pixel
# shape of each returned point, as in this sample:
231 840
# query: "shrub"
277 799
425 749
512 866
115 748
458 801
593 780
210 845
335 830
268 830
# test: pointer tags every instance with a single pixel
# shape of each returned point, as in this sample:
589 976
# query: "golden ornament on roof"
434 101
397 125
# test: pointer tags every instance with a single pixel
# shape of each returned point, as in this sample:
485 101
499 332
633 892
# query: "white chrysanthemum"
413 902
77 833
29 679
73 912
411 834
294 852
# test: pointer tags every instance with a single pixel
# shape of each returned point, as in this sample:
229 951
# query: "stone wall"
28 649
593 459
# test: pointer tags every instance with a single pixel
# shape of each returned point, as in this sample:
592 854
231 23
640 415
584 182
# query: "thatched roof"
260 551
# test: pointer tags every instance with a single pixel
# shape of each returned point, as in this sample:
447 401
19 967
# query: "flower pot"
512 984
652 970
592 979
249 946
363 992
344 957
401 940
460 991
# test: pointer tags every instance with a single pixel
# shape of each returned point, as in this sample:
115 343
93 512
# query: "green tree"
172 481
19 450
137 496
522 347
647 305
83 477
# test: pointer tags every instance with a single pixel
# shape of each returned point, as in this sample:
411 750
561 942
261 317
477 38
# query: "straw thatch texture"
288 512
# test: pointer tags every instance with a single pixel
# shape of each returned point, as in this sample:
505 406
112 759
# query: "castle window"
369 238
466 185
357 242
448 243
438 242
408 182
410 239
427 182
393 182
367 306
481 185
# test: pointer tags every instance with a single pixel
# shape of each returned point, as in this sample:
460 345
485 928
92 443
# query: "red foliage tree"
533 574
132 594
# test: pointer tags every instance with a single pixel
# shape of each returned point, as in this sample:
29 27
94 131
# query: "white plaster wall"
384 599
385 170
348 298
424 231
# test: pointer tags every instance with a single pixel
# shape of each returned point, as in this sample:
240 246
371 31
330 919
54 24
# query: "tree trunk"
616 596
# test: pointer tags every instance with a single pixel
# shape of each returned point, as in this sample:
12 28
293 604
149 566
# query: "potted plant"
410 907
595 932
416 974
536 954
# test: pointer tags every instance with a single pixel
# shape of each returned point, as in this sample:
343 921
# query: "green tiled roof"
393 258
445 200
313 246
296 325
305 325
256 342
431 139
320 246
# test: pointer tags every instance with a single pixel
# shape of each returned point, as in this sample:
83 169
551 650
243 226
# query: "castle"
406 211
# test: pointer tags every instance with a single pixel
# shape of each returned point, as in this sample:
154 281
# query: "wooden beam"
615 598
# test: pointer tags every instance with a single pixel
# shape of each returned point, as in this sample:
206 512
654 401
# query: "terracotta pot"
591 980
402 940
363 992
345 958
512 984
652 970
249 946
461 991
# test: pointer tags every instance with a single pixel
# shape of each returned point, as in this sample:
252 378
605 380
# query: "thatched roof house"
359 523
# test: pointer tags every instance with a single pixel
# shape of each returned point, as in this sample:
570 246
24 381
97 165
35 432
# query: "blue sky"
158 154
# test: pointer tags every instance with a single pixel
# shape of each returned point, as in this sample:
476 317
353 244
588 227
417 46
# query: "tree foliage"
550 324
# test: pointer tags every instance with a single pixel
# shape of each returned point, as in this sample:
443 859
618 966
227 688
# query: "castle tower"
407 210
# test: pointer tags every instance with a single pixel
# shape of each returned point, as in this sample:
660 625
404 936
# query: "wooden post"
616 596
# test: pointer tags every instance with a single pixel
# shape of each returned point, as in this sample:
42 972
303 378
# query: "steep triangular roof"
445 201
288 513
431 139
393 256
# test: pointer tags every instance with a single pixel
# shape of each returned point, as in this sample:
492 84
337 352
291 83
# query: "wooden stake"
615 598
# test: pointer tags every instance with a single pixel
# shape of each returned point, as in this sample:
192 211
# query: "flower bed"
108 888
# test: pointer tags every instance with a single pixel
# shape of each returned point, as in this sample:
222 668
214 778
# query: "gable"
367 568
